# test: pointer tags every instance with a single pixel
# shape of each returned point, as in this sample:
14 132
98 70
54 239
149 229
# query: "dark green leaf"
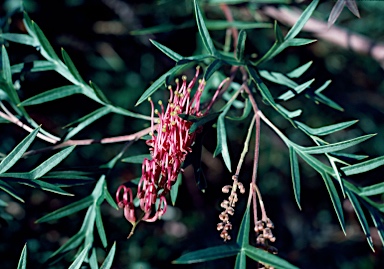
170 53
23 258
67 210
20 38
372 190
99 93
335 146
379 223
363 166
47 51
158 83
204 34
10 190
208 254
222 146
6 73
335 199
246 111
224 24
241 45
53 94
243 235
17 152
71 66
299 71
360 215
100 227
241 261
199 121
295 174
325 130
80 259
297 90
136 158
315 163
36 66
109 259
265 257
296 28
87 120
212 68
278 33
175 189
124 112
72 243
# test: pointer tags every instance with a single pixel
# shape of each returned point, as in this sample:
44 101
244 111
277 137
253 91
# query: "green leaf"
241 261
278 33
80 259
288 114
212 68
297 90
378 221
325 130
158 83
10 190
6 73
136 158
208 254
335 199
246 111
47 165
99 93
297 42
72 243
241 45
93 263
222 146
363 166
295 174
53 94
296 28
23 258
335 146
67 210
109 259
100 227
20 38
175 189
71 66
243 235
17 152
375 189
110 200
360 215
265 257
87 120
199 121
280 79
315 163
47 51
296 73
204 34
224 24
170 53
124 112
35 66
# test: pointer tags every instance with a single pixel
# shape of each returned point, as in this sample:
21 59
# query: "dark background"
97 34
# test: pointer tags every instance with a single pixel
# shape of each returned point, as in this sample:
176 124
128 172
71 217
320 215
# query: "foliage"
240 89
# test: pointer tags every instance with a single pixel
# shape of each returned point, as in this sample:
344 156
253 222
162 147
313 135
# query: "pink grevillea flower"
169 144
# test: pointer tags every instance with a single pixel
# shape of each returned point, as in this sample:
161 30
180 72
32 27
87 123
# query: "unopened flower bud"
226 188
220 226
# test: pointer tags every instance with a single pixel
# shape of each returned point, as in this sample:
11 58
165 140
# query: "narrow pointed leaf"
241 45
80 259
295 174
199 121
363 166
67 210
296 73
17 152
35 66
158 83
375 189
247 110
361 216
170 53
136 158
243 235
297 42
352 6
335 12
278 33
100 228
109 259
71 66
6 67
287 113
296 28
315 163
224 24
222 145
53 94
208 254
212 68
87 120
47 165
204 34
267 258
27 179
335 146
278 78
241 261
325 130
47 50
175 189
10 190
20 38
72 243
99 93
110 200
379 223
93 263
23 258
335 199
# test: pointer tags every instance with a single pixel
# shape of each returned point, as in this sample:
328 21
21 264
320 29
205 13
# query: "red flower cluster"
169 146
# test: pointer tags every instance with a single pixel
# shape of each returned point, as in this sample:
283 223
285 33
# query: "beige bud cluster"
229 207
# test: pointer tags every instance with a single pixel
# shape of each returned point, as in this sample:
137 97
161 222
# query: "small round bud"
226 188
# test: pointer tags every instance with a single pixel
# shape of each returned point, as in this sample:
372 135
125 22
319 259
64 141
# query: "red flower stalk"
169 145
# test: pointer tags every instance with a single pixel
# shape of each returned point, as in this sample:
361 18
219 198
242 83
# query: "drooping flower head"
169 144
